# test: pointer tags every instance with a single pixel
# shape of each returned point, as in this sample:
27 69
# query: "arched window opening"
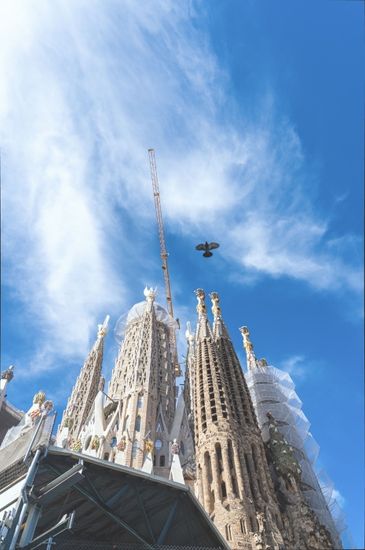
208 467
140 402
223 489
138 423
218 452
158 444
162 461
250 474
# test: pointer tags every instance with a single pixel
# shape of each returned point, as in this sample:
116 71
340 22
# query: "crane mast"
163 251
161 234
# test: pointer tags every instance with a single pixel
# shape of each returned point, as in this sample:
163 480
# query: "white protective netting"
273 391
136 313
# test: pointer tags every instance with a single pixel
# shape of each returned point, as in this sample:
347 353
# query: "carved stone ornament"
39 398
68 422
121 445
175 448
150 294
216 310
76 445
200 295
285 463
8 374
47 406
95 443
148 445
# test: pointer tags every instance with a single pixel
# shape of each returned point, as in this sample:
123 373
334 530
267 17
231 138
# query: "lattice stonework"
143 380
84 391
233 479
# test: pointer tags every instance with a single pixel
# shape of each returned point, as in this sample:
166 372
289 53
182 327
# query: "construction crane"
161 234
163 251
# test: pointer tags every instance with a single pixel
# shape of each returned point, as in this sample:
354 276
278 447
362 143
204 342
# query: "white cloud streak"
90 86
295 366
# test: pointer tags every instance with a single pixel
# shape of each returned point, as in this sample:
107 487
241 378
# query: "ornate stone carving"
95 443
76 445
8 374
148 445
175 447
39 398
285 463
200 295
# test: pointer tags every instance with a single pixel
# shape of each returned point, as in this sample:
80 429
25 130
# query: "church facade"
215 437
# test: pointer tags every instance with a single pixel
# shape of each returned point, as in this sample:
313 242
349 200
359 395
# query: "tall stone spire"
143 380
250 354
84 391
242 408
233 479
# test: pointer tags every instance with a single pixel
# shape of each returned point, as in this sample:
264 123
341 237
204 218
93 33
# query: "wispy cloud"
92 85
296 366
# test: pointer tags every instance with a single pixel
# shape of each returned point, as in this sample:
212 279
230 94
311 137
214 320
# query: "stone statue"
175 447
148 445
200 295
260 521
258 541
121 445
8 374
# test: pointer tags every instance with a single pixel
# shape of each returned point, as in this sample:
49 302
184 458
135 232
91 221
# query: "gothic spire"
86 387
203 329
219 328
250 354
242 408
232 474
143 381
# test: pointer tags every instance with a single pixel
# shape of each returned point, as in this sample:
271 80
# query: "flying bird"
207 247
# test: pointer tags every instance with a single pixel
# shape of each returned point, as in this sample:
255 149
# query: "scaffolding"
273 391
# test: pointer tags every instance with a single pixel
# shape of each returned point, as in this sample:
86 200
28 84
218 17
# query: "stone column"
246 479
253 475
227 472
216 476
240 481
206 488
200 486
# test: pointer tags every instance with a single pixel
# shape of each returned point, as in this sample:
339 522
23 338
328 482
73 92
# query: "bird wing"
200 247
211 246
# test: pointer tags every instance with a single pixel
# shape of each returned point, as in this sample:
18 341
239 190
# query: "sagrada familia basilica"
237 441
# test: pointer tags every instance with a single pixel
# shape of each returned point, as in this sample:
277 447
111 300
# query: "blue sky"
255 112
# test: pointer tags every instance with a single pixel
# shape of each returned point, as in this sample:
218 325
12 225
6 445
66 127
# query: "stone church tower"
83 394
143 382
233 479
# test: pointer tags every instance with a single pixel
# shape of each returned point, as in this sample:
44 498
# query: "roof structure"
80 501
